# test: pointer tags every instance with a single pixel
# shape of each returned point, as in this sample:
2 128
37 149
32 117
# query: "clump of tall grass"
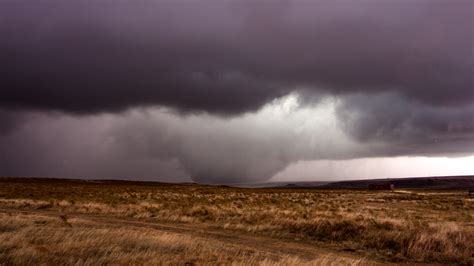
418 242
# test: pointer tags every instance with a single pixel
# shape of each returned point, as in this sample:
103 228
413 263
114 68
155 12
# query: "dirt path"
275 247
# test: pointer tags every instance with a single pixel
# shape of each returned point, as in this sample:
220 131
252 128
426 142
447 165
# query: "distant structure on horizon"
381 186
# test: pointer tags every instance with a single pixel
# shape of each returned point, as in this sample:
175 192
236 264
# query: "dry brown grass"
30 240
400 226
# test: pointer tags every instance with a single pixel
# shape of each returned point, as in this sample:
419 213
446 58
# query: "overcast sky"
236 91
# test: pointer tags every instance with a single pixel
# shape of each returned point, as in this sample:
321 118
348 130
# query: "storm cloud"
409 126
157 143
230 57
193 86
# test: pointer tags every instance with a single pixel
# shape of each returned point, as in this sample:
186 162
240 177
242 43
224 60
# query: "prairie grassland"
39 240
393 226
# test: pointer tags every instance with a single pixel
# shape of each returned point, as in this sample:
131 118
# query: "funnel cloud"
230 91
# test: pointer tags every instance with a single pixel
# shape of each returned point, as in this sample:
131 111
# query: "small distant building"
381 186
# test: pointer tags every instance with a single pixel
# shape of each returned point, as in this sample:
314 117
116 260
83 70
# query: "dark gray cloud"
85 147
400 73
11 121
98 57
230 57
408 126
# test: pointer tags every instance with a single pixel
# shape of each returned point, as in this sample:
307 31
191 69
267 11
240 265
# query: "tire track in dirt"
276 247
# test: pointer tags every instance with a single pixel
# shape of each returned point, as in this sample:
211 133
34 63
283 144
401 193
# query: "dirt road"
274 247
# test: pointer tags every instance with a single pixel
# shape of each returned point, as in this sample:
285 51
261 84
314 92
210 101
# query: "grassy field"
75 222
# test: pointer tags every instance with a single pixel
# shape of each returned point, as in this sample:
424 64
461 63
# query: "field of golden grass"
73 222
